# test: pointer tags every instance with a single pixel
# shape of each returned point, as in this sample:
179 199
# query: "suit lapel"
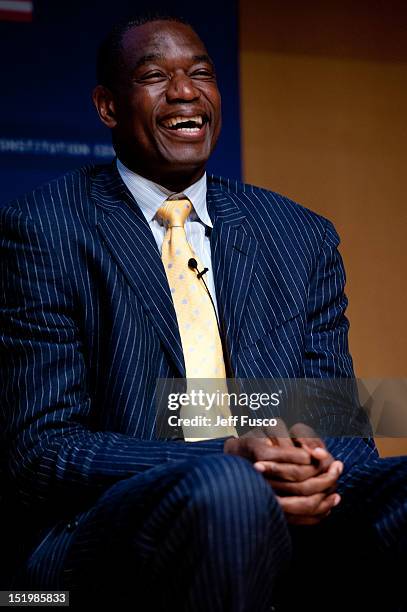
126 233
234 253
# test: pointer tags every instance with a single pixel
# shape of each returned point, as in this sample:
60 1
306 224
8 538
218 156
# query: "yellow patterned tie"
201 343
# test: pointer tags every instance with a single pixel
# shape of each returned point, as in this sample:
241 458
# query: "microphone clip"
204 271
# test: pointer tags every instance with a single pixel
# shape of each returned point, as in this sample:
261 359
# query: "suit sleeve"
52 454
327 351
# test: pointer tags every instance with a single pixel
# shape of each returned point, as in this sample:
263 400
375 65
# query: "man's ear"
105 105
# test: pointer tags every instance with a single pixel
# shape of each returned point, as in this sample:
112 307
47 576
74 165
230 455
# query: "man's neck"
174 183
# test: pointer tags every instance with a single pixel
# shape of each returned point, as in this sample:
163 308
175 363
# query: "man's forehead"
161 37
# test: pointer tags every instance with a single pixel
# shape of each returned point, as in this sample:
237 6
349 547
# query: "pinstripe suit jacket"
87 324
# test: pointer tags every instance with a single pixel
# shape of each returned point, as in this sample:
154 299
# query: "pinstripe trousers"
194 535
208 534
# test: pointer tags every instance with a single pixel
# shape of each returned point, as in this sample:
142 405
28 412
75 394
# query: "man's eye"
153 75
202 73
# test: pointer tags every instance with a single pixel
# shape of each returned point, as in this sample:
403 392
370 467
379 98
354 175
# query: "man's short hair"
109 58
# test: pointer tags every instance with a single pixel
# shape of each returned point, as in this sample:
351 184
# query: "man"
89 321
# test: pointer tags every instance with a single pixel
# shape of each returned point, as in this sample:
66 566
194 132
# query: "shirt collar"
150 196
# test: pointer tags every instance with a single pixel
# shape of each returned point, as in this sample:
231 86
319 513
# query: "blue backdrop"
48 124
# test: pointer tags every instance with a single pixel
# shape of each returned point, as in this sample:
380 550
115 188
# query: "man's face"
167 105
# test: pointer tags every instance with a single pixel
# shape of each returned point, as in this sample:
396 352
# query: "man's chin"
185 160
184 152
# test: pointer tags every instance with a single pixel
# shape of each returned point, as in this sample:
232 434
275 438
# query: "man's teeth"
177 123
181 129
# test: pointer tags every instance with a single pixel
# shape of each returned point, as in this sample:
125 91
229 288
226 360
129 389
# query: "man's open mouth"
186 124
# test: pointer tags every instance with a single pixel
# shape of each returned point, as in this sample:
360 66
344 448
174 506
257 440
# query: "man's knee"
235 516
225 485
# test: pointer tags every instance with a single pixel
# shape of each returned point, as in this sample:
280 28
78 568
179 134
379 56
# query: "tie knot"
175 212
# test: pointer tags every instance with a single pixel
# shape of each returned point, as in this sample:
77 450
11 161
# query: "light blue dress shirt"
150 196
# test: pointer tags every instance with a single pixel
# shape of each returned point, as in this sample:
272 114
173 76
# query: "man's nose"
181 87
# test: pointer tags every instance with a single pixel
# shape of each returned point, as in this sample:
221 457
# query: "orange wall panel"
324 121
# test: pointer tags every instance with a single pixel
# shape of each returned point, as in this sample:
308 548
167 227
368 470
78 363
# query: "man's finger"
306 437
309 506
262 449
304 433
323 483
279 434
303 489
324 457
290 472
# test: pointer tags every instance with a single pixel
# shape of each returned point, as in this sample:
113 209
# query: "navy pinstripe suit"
88 324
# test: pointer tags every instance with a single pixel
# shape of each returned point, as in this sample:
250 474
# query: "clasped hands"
297 465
